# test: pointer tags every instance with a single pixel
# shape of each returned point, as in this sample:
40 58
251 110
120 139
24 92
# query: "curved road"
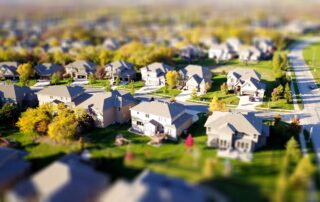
310 115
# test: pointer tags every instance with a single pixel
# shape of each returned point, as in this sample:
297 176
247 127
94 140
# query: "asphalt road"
310 115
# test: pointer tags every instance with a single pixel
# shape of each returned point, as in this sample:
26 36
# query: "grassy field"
170 92
253 181
311 55
97 84
136 84
217 80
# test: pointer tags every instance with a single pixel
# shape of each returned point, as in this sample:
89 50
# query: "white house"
233 132
151 118
56 94
155 73
220 52
246 82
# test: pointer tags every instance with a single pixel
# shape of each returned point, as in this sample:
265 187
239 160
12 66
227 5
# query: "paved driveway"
184 95
79 82
246 104
147 89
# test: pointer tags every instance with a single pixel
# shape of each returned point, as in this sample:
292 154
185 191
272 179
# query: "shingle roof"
47 69
158 67
202 72
82 65
9 68
120 64
68 179
14 91
245 73
104 101
62 91
234 121
163 109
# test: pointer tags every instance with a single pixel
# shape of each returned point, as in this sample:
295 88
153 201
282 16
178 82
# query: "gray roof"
163 109
104 101
202 72
47 69
14 91
150 186
9 68
68 179
120 64
12 165
245 73
229 122
62 91
158 67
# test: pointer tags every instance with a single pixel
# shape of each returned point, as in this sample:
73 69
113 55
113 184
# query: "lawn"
97 84
170 92
136 84
30 82
253 181
217 80
311 55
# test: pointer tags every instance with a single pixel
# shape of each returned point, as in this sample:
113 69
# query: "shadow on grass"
39 163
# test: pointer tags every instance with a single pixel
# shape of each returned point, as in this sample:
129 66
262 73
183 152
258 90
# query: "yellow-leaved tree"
25 71
172 78
217 105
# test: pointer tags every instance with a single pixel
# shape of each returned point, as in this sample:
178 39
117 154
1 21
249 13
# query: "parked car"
312 86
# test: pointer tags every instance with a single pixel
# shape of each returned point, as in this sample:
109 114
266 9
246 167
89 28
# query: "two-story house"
155 74
151 118
108 108
8 70
122 69
195 77
234 131
80 69
245 82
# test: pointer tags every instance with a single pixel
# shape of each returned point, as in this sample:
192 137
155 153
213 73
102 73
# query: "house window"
139 123
209 129
147 115
137 112
255 136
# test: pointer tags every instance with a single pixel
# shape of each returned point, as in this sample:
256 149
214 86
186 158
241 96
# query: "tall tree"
172 78
217 105
25 71
55 79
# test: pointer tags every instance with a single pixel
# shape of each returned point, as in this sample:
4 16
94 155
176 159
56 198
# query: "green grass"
62 82
311 55
29 82
136 84
296 89
217 80
170 92
97 84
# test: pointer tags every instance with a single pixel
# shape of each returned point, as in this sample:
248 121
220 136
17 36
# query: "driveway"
184 95
41 83
147 89
79 82
246 104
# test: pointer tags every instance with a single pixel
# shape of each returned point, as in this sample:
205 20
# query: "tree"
117 82
217 105
9 113
172 78
25 71
60 58
302 173
274 95
207 87
280 90
131 87
92 79
105 56
64 125
55 79
224 88
295 124
208 169
277 119
287 93
194 93
189 141
107 87
293 152
100 73
165 89
284 60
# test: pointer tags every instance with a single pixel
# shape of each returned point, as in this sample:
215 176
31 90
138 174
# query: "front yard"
311 55
255 180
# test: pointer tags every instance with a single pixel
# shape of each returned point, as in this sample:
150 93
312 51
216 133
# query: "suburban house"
123 70
45 70
108 108
246 82
234 133
57 94
190 52
146 188
8 70
234 44
13 167
155 73
195 77
249 54
111 44
19 95
152 118
264 45
71 178
209 41
220 52
80 69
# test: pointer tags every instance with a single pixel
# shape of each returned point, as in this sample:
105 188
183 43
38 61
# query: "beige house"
19 95
80 69
195 77
8 70
108 108
123 70
246 82
236 132
151 118
155 74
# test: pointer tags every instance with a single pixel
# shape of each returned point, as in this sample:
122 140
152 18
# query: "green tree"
287 93
55 79
224 88
172 78
293 152
208 169
302 173
92 79
117 82
105 56
9 113
165 89
274 95
25 71
194 94
107 87
131 87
